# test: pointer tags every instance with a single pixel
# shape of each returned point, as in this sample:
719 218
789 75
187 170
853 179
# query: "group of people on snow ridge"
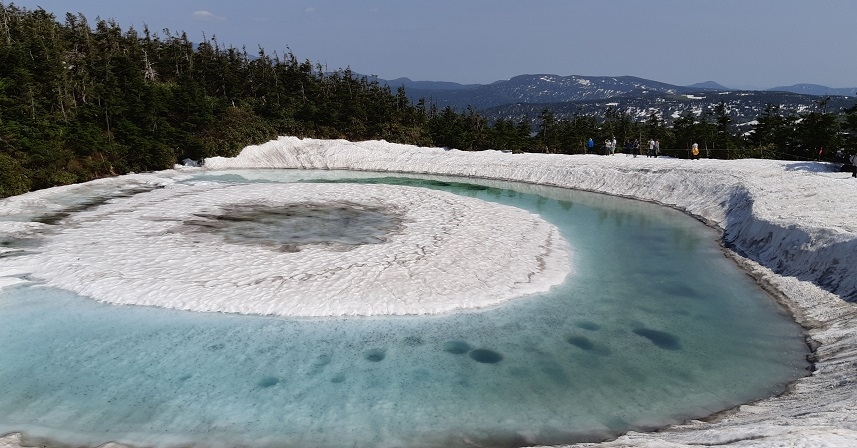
632 147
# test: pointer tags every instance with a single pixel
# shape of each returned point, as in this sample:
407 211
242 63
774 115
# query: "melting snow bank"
793 221
167 248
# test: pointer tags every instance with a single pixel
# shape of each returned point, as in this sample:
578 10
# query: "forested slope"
79 101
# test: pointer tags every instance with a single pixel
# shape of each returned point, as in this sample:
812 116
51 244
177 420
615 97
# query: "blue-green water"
655 326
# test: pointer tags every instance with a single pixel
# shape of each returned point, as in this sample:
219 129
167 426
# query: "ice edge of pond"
756 204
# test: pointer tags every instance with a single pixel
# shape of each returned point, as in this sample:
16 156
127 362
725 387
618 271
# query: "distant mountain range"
815 89
533 89
592 95
709 85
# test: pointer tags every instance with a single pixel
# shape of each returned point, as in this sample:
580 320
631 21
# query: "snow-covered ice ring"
176 247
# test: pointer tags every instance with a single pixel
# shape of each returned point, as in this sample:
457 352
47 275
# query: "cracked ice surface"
141 250
793 221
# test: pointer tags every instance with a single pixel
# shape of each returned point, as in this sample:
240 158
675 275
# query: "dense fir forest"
80 101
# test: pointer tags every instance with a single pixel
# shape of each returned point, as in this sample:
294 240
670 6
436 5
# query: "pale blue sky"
738 43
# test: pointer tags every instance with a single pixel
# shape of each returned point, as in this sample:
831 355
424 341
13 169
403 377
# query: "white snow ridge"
150 250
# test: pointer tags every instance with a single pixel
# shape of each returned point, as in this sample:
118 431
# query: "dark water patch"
337 378
413 341
321 360
89 203
267 381
456 347
662 339
587 325
290 226
581 342
375 355
21 244
16 253
486 356
53 218
318 365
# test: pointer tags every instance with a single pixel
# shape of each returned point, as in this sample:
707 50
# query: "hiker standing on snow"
853 160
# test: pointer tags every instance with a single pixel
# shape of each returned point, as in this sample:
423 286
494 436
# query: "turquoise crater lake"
655 326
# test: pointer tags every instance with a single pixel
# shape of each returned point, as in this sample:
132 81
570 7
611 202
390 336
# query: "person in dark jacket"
853 160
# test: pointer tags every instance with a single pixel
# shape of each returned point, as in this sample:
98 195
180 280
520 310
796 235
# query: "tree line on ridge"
80 101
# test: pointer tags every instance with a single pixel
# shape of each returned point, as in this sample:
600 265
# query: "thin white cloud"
309 10
206 16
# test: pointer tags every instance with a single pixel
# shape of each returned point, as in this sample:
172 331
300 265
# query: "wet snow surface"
411 237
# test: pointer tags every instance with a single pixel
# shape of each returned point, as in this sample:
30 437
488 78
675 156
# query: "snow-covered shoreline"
791 224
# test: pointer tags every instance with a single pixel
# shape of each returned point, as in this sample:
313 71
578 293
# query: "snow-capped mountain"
638 97
542 89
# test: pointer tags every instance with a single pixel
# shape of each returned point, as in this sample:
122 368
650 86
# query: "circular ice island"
305 249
